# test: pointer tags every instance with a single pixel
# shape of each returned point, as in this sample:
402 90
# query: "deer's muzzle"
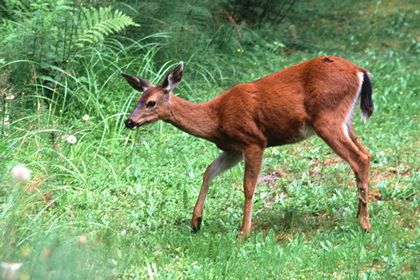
130 124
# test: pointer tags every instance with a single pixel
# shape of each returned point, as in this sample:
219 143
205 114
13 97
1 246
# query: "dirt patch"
378 175
374 195
317 168
271 178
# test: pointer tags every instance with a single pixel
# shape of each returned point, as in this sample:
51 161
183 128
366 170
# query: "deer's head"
153 104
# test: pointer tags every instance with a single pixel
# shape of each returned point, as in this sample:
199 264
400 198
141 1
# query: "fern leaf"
96 24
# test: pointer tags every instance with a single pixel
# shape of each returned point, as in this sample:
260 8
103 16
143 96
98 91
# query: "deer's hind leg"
341 137
363 193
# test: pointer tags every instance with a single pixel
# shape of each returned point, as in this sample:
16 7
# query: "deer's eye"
151 104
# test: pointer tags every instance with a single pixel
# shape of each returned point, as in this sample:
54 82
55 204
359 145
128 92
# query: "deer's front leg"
225 161
253 161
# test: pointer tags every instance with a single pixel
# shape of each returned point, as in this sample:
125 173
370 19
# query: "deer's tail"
366 103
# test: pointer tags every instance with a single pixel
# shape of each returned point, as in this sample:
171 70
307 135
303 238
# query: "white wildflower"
72 139
85 117
5 121
82 239
21 173
9 271
10 97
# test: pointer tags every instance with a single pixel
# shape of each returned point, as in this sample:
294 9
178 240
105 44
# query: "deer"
318 96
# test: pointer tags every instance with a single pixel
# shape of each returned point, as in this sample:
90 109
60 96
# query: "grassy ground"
116 204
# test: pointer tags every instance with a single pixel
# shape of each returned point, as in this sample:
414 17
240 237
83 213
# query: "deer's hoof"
196 225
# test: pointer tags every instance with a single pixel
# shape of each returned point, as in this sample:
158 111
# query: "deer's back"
280 108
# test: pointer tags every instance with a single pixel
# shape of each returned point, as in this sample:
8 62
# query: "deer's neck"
199 120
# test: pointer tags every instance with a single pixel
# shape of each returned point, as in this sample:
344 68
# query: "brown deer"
314 97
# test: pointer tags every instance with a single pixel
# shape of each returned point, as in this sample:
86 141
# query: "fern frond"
96 24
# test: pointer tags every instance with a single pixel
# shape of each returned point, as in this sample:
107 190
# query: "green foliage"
11 9
48 47
95 24
106 203
209 39
269 12
50 34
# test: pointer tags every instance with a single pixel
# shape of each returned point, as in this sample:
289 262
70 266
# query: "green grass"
117 203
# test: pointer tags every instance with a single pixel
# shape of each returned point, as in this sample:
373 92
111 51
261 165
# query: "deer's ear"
136 82
173 79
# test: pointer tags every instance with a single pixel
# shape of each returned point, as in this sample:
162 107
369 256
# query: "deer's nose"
129 123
